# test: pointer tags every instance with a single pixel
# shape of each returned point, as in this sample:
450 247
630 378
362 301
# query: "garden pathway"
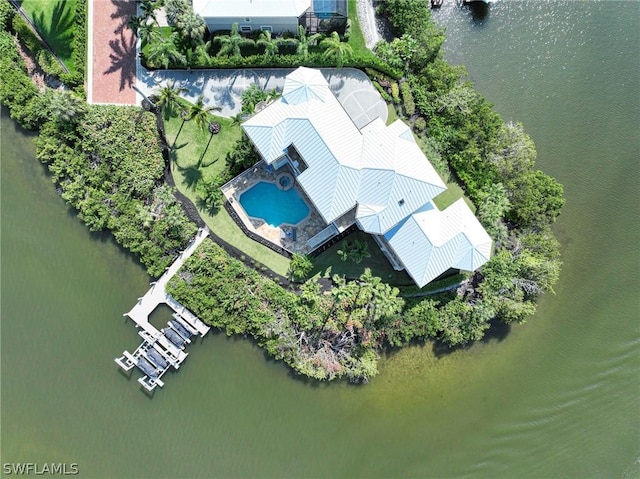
111 63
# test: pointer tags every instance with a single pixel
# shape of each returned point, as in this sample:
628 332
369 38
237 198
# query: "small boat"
155 357
147 368
186 324
436 3
182 331
174 337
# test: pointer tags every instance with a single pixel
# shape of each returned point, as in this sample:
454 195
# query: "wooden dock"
161 349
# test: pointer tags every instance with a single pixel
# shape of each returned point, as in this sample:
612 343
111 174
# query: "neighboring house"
276 16
376 177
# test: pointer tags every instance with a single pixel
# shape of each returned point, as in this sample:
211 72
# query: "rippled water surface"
557 397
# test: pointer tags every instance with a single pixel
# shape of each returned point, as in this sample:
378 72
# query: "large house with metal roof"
375 176
277 16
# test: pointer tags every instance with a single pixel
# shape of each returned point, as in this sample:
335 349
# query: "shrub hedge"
407 98
315 60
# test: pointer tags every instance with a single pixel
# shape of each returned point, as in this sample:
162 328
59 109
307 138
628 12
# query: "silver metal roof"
380 169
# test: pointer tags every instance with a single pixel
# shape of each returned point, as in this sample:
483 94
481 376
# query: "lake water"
556 397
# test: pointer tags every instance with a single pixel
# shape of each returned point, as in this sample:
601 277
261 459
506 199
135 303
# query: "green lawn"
187 152
449 196
356 40
54 20
393 116
328 263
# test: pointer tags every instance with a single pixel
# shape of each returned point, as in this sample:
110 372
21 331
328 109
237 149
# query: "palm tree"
135 23
336 49
355 250
300 266
147 10
237 119
174 9
251 97
168 97
272 95
304 42
231 43
191 28
199 113
65 108
148 33
165 53
271 45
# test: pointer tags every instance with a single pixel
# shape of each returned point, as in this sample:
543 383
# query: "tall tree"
199 112
134 23
191 28
539 200
66 108
336 49
304 42
231 44
147 10
270 44
175 8
168 97
165 53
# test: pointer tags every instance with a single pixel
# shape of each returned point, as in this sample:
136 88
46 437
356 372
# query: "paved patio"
281 235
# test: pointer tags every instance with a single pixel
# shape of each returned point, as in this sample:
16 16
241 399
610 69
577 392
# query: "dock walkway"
163 348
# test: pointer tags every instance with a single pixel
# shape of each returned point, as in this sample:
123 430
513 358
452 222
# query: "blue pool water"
266 201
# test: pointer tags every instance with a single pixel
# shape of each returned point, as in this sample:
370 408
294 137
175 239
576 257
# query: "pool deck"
282 235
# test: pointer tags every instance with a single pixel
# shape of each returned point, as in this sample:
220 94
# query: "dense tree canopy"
109 167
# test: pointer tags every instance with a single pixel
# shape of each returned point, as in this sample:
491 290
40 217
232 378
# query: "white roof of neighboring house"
429 241
250 8
379 169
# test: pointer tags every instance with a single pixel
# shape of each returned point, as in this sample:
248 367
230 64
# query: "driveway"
223 88
111 53
114 71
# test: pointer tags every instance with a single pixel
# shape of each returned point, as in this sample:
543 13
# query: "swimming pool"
265 200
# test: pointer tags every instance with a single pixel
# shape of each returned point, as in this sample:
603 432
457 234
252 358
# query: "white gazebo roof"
305 84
